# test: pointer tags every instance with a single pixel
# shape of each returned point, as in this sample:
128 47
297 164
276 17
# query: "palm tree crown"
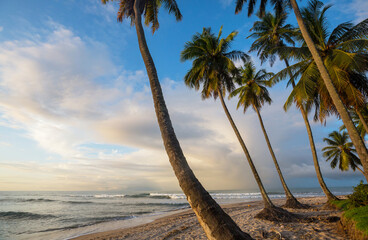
279 6
149 8
270 32
252 90
214 70
344 52
213 64
340 151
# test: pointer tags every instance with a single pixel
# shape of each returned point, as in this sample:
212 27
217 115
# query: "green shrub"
359 197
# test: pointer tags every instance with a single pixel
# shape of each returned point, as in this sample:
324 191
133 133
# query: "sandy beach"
318 223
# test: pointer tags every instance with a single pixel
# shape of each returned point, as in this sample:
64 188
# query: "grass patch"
360 217
342 204
356 208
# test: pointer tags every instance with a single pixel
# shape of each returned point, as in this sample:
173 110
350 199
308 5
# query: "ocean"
63 215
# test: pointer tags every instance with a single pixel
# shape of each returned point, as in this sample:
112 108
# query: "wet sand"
184 225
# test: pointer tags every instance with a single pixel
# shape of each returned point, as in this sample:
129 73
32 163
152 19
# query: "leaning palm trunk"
291 201
270 212
362 120
265 197
215 222
321 181
353 133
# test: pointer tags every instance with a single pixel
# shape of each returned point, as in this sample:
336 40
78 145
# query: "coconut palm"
271 32
344 55
325 75
341 152
363 119
215 222
213 70
360 120
253 93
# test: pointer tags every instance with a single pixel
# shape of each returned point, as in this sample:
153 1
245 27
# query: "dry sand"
184 225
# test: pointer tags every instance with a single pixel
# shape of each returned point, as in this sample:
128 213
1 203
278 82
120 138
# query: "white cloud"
52 90
360 9
1 28
107 11
226 3
354 8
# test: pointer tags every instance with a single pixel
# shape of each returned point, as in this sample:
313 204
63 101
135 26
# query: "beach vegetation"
270 33
213 69
355 209
359 198
360 195
356 34
345 57
215 222
253 93
360 216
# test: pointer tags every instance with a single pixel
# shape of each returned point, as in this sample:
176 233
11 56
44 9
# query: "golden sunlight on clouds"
106 136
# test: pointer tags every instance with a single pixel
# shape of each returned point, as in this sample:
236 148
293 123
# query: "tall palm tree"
360 121
341 152
340 107
363 119
253 93
271 32
215 222
213 69
344 55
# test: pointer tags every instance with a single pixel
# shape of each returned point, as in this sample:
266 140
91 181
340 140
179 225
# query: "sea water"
63 215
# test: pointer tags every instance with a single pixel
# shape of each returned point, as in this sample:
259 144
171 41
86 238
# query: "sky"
76 112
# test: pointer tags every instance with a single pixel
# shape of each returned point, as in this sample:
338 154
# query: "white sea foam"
109 196
170 195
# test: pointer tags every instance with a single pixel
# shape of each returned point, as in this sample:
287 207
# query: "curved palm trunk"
289 195
353 133
215 222
362 120
321 181
265 197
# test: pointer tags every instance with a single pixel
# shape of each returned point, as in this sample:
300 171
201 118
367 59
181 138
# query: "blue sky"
76 111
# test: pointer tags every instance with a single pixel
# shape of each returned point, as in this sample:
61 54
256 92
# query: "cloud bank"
94 123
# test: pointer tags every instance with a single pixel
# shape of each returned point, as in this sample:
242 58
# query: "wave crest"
24 215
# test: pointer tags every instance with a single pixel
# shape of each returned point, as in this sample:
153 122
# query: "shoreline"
182 224
75 233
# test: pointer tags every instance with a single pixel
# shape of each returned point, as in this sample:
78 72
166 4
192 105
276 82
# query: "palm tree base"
329 204
295 204
277 214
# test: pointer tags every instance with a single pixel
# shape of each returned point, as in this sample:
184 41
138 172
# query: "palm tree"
362 114
270 33
340 107
213 68
344 55
340 151
253 92
215 222
360 119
